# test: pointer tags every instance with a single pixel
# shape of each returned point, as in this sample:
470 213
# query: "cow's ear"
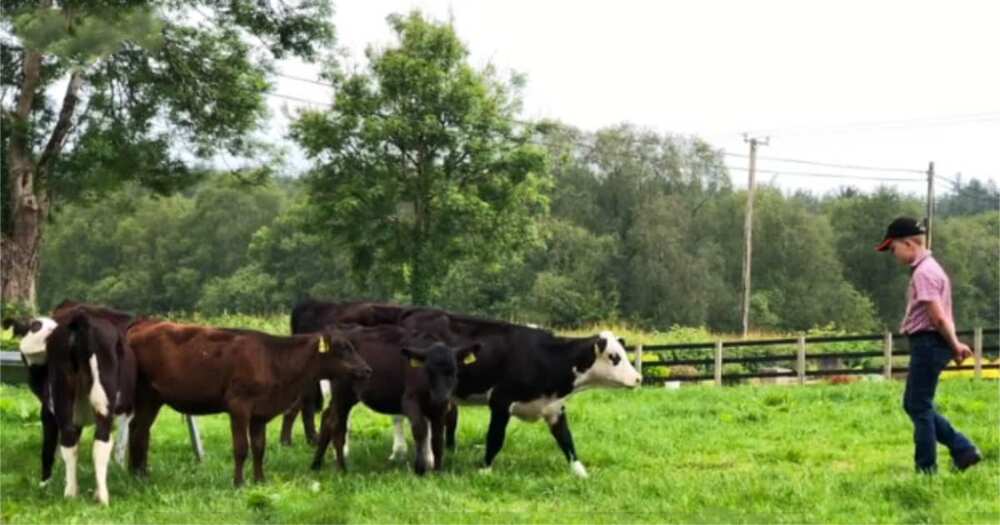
621 341
467 355
415 356
21 328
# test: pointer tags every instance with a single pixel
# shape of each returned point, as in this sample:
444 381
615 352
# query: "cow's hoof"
44 483
486 471
102 497
397 455
578 469
316 465
70 492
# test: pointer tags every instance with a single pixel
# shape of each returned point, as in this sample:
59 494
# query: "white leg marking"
398 440
121 444
98 397
102 455
69 458
578 469
426 446
347 437
43 484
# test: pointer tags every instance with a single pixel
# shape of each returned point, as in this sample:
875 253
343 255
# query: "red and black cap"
901 228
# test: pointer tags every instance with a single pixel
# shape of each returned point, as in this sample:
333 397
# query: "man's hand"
961 352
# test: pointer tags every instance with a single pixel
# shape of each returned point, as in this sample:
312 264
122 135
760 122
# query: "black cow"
82 371
411 375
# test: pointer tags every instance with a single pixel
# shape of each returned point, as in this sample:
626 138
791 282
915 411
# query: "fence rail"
800 357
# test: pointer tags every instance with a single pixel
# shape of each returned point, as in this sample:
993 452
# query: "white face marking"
398 440
69 458
611 367
33 343
547 407
577 468
102 454
98 397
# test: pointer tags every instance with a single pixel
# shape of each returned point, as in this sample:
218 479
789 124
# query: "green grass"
812 454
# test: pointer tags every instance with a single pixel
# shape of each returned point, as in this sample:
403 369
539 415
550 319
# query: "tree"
421 163
149 88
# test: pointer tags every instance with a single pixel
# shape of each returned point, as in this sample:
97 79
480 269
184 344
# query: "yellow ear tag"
469 359
415 363
323 347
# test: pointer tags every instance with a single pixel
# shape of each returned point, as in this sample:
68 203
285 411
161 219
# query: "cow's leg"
421 436
334 424
312 397
69 441
50 437
398 440
239 423
451 425
347 436
103 443
288 423
147 406
258 440
325 433
559 427
437 423
499 417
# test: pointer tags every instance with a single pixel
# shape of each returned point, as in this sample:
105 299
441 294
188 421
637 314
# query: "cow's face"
33 343
341 359
441 364
611 367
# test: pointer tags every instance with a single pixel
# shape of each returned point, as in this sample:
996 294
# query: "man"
929 325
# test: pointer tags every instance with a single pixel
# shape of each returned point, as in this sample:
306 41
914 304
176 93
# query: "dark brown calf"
250 375
312 316
412 375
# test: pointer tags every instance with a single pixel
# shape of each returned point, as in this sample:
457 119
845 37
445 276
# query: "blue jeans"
929 355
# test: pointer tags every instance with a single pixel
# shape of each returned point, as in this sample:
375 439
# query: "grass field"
815 454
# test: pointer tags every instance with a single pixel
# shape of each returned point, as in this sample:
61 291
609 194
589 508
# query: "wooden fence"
720 357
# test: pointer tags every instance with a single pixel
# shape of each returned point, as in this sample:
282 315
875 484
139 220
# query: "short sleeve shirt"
928 283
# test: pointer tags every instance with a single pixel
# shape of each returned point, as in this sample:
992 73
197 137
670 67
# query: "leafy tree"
971 198
421 163
967 248
135 105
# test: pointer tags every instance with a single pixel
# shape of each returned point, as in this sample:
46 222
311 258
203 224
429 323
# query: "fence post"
887 355
718 363
801 362
199 450
977 348
638 359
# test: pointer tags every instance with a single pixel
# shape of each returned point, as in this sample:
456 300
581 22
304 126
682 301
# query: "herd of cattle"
89 363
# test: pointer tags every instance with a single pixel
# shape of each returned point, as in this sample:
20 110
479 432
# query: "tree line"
424 187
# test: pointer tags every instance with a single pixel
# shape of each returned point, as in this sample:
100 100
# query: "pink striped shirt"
928 283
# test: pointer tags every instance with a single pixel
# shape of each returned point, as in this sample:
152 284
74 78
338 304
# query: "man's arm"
960 351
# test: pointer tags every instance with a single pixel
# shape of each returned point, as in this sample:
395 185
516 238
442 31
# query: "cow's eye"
615 359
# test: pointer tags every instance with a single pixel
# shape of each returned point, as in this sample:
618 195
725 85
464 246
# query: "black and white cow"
83 372
528 373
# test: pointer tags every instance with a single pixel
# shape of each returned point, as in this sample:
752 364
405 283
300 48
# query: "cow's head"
339 358
34 335
608 366
441 364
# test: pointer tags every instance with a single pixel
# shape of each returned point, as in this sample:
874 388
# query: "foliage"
420 161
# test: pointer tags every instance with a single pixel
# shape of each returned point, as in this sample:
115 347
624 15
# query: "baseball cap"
900 228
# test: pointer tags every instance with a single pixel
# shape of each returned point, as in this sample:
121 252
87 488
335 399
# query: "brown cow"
250 375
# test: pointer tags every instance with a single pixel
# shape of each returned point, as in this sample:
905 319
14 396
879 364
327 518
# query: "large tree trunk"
19 250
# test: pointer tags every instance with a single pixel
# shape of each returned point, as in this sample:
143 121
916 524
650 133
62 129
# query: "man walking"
930 328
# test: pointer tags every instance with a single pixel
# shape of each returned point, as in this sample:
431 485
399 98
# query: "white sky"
888 84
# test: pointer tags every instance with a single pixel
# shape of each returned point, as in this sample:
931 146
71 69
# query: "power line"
828 164
829 175
301 100
303 79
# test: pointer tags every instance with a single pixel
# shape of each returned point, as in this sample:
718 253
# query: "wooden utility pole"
748 231
930 202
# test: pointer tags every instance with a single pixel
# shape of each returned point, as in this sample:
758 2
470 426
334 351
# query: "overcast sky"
883 84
